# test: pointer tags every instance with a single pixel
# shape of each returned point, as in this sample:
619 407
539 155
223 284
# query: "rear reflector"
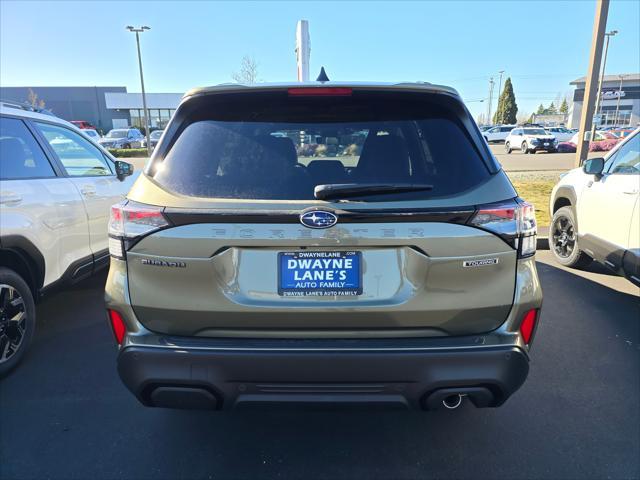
528 325
117 325
320 92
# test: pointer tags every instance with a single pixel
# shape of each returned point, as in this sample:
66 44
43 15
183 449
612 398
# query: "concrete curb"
542 242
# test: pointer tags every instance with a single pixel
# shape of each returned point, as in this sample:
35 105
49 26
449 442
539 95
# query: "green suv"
323 244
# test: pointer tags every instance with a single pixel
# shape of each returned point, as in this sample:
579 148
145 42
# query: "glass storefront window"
158 118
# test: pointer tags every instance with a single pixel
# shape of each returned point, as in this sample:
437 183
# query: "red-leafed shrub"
608 144
595 147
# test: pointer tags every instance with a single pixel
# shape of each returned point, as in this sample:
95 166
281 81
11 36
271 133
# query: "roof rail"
25 106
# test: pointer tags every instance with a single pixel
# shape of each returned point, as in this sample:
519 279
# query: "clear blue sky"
541 45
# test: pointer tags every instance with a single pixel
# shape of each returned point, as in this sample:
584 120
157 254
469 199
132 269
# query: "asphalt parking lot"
65 414
517 161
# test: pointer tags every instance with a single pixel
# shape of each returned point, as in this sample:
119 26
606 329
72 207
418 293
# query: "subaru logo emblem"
318 219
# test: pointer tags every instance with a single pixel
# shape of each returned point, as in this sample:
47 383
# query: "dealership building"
104 107
620 103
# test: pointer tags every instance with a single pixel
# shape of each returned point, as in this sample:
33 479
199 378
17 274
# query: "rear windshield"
281 148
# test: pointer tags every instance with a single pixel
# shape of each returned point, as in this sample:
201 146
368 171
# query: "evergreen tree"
540 110
507 107
552 110
564 108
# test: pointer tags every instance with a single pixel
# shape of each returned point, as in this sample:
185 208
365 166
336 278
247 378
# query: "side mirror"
123 169
594 166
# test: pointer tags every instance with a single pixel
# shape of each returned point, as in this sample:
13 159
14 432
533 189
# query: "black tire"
563 240
126 146
524 148
507 147
15 335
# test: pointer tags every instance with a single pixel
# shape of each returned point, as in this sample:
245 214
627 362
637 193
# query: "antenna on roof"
323 76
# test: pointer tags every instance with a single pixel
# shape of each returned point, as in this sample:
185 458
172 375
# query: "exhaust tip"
452 401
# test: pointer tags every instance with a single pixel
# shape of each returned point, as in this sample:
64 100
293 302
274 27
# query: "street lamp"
607 35
621 77
491 84
138 31
499 89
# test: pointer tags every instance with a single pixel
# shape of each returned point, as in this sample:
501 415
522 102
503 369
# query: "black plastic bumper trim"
245 378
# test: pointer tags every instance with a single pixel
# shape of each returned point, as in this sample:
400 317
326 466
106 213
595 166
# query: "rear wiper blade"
347 190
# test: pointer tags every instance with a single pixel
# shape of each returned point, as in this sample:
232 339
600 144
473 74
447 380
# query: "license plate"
323 274
546 144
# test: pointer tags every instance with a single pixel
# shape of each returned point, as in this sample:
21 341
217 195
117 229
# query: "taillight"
528 325
129 221
117 325
514 221
320 92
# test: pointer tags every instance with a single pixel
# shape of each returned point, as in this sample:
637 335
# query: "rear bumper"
320 373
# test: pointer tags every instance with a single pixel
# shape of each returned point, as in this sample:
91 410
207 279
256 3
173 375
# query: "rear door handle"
10 199
88 190
631 192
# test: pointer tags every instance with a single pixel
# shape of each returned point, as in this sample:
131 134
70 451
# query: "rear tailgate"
236 169
220 278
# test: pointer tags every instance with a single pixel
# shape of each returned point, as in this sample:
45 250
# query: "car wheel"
524 148
126 146
17 319
563 240
507 147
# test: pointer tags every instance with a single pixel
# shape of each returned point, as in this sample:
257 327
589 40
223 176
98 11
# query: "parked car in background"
560 133
596 212
246 273
56 189
530 140
497 134
92 134
82 124
622 132
122 138
154 138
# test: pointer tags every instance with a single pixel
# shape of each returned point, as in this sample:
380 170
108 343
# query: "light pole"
491 84
138 31
590 88
607 35
621 77
499 92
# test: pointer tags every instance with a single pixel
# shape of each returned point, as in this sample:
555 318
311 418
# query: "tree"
34 101
540 110
564 108
507 107
552 110
248 71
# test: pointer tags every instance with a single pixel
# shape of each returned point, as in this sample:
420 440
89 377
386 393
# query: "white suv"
56 191
530 140
497 134
596 212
